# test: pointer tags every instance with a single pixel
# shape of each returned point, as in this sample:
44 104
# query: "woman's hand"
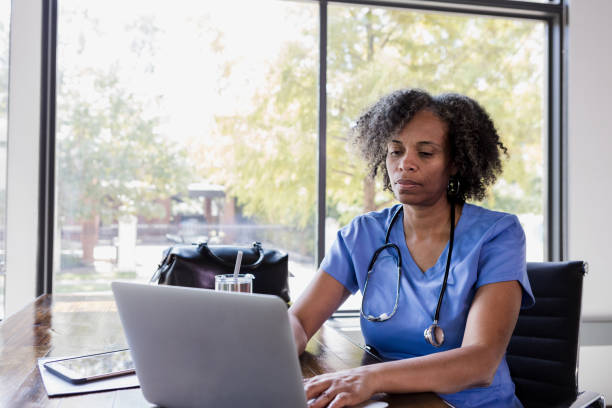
340 389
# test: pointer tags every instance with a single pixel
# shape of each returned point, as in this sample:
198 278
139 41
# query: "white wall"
590 149
590 177
23 140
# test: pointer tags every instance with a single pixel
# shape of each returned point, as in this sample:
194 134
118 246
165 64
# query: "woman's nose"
408 162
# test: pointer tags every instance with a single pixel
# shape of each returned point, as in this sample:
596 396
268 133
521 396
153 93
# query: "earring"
453 186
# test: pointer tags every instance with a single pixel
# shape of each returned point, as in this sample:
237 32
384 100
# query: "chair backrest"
543 351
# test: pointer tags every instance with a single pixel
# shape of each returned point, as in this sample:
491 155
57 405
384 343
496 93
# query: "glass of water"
242 282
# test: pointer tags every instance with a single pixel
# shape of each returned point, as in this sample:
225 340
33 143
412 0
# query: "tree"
273 148
372 51
111 159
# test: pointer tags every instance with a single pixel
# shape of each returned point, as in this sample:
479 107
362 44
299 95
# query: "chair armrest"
588 398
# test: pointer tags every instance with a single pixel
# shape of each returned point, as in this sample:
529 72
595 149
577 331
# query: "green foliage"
270 163
113 161
270 152
494 61
111 158
69 261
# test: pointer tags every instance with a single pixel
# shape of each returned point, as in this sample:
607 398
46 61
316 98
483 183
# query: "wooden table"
60 325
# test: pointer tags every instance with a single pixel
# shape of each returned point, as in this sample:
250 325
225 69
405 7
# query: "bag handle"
256 246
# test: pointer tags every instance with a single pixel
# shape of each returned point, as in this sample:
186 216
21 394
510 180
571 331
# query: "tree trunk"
229 218
208 210
89 237
369 191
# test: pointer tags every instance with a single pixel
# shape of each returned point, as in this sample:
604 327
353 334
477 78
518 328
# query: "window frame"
553 13
46 175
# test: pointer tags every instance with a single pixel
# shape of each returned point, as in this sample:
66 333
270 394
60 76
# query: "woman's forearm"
445 372
299 334
489 326
316 304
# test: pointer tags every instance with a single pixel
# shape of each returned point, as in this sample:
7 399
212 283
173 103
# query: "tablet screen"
96 365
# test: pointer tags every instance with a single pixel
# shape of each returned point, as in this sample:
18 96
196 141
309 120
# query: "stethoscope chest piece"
434 335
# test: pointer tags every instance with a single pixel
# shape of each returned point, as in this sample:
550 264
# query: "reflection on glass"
5 21
183 122
497 61
97 364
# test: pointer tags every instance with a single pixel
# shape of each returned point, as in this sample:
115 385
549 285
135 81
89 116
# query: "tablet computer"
92 367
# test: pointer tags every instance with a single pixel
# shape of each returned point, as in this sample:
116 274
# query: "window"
182 122
497 61
5 22
192 122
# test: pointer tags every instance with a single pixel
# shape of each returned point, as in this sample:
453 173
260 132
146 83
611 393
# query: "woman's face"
418 160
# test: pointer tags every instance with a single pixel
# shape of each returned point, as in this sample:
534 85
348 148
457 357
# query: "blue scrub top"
489 247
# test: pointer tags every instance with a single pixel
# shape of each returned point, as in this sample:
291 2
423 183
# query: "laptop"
201 348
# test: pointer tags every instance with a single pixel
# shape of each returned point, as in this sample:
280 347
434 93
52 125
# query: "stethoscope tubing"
430 332
383 317
448 260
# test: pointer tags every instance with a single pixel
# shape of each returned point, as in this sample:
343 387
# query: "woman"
434 153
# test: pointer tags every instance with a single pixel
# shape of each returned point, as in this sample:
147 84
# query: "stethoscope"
434 334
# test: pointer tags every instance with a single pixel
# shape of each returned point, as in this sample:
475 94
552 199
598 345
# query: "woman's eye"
394 153
425 154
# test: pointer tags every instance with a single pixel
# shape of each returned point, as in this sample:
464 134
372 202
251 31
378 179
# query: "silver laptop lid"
197 347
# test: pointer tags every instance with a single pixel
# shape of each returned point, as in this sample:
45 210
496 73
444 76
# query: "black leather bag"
196 266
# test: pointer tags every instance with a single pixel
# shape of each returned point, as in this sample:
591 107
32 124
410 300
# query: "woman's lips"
407 182
407 185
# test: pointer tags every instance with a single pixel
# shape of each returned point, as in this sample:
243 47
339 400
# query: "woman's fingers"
336 390
314 387
342 399
322 400
321 390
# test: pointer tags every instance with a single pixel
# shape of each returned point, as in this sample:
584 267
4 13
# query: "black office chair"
543 351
